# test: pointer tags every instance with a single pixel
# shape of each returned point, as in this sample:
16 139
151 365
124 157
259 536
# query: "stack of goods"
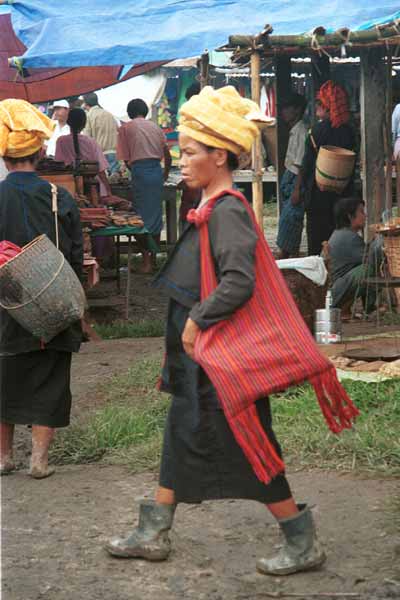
95 218
90 264
126 219
117 203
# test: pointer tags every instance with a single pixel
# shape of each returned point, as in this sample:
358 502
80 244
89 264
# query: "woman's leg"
41 439
149 540
283 509
6 448
164 496
301 550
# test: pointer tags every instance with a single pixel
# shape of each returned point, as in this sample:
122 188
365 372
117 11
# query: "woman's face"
358 221
198 165
321 112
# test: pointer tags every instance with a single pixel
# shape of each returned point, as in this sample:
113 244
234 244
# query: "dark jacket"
25 213
324 134
233 242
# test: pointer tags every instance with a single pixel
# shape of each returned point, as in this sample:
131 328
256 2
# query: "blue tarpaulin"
109 32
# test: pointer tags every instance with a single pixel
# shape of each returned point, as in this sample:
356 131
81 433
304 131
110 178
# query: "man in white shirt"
292 212
60 115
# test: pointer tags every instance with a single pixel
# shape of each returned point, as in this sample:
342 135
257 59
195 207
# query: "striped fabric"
264 348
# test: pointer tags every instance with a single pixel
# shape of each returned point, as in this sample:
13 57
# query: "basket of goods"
391 245
308 295
40 290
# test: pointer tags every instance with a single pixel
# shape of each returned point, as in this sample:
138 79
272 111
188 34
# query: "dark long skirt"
320 219
35 388
201 459
147 188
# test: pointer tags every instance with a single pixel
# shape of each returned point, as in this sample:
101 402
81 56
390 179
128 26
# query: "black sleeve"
233 242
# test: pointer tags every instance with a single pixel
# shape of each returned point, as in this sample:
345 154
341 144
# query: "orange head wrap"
23 128
334 98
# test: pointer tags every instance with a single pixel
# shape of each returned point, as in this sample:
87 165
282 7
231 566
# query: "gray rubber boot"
150 538
301 551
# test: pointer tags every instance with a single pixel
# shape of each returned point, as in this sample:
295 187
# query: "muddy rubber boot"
150 538
301 551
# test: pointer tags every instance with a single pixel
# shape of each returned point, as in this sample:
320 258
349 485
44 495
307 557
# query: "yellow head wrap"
23 128
217 118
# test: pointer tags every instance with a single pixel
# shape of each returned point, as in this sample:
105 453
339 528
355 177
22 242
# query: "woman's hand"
189 337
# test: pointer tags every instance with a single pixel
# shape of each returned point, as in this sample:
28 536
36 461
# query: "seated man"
351 260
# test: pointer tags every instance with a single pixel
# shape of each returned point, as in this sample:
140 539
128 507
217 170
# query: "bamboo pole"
384 32
388 131
257 184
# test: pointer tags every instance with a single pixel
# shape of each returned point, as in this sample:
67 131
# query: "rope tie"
315 45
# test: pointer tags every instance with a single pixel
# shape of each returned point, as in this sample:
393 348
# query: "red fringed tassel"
254 442
337 407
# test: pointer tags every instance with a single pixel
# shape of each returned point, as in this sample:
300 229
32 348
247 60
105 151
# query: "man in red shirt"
142 145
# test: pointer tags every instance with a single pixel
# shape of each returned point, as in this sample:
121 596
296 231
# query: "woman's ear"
221 157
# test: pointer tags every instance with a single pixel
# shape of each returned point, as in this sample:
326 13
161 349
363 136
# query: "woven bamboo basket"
334 168
40 290
392 250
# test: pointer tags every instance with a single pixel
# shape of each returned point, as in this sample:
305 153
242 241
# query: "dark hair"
137 108
346 209
77 121
232 159
22 159
296 101
91 99
192 90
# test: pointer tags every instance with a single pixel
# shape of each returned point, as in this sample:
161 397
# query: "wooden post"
373 117
388 132
320 73
283 86
204 70
320 70
257 185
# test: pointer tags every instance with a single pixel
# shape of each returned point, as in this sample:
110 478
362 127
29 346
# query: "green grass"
373 445
130 329
128 428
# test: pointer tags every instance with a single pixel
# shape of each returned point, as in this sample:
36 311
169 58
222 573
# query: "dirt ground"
53 530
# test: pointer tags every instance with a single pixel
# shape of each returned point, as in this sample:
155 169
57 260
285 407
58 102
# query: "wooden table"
128 232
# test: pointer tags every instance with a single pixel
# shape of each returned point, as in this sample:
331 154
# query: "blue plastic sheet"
113 32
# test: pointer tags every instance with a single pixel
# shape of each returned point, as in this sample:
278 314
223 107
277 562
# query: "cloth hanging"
264 348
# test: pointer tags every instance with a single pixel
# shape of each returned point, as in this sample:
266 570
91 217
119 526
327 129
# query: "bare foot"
41 472
7 467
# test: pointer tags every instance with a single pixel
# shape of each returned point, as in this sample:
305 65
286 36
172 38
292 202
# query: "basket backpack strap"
54 208
314 143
